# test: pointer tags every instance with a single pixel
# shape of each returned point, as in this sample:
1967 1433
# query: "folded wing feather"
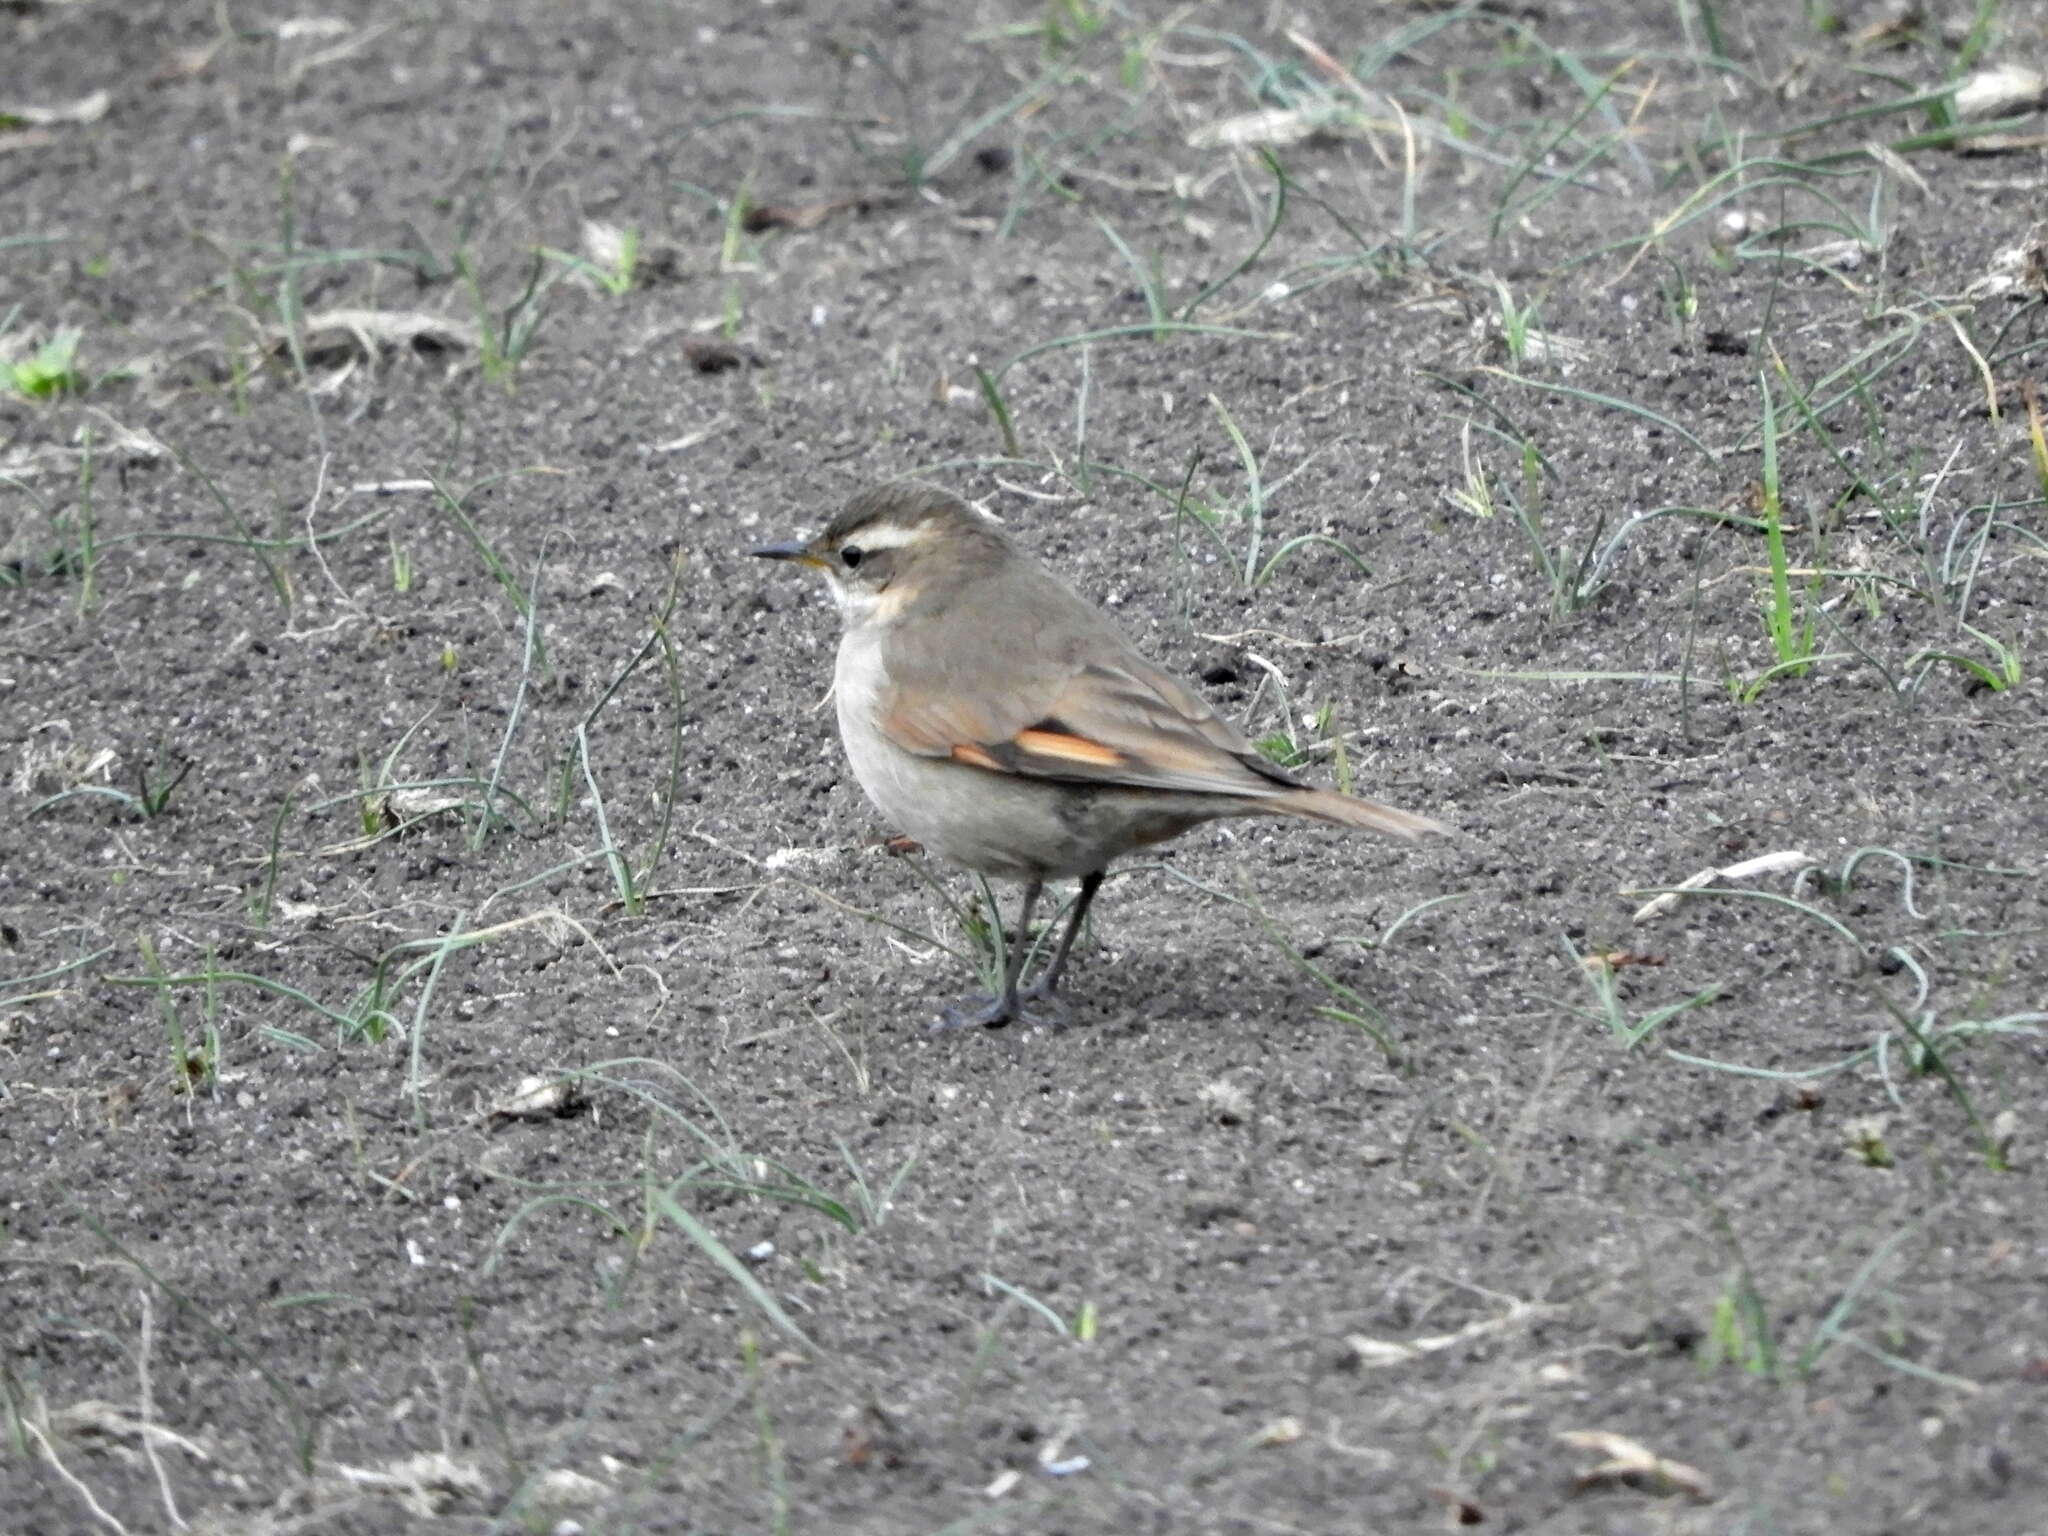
1127 725
1078 704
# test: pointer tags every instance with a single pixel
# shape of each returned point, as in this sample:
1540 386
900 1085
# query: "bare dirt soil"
463 1038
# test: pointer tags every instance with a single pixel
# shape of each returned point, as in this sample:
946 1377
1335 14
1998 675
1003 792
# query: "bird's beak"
800 553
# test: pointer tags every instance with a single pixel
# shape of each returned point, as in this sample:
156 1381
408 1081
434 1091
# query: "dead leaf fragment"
415 802
111 444
623 256
715 356
186 63
92 1419
1549 349
2005 1131
311 28
1229 1103
1282 1431
538 1098
1274 128
1462 1511
767 216
1841 255
428 1485
563 1488
51 764
607 245
1632 1465
337 335
1617 959
2004 90
870 1437
1864 1137
1894 30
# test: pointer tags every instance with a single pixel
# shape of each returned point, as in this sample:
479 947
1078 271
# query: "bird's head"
892 543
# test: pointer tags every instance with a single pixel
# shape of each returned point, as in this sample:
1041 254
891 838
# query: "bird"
1004 722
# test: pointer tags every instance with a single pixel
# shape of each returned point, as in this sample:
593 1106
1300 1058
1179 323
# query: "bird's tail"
1352 811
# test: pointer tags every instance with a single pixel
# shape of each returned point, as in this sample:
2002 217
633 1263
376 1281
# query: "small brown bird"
1006 723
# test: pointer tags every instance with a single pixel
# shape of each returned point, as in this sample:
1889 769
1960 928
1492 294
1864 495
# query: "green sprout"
51 372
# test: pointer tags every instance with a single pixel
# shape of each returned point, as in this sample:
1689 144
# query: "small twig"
1763 864
43 1444
1983 368
146 1398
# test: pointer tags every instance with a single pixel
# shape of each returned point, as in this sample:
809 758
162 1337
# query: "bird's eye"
850 556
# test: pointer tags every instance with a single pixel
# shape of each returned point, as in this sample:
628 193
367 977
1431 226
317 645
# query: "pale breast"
889 775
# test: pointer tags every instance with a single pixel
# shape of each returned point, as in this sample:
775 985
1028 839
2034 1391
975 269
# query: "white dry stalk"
87 109
65 1475
1001 1484
689 440
1631 1462
1900 168
347 599
1787 861
145 1402
1376 1354
348 47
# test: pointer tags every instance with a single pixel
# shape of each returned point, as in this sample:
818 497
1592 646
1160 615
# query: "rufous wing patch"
973 756
1062 747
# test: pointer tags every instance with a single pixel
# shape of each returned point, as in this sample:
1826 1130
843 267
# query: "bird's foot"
1034 1006
1040 998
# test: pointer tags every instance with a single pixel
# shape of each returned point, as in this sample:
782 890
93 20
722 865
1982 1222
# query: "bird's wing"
1113 722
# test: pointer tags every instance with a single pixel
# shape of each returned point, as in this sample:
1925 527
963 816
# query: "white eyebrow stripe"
887 536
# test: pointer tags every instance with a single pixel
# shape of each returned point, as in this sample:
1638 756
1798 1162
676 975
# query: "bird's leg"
989 1012
1049 979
